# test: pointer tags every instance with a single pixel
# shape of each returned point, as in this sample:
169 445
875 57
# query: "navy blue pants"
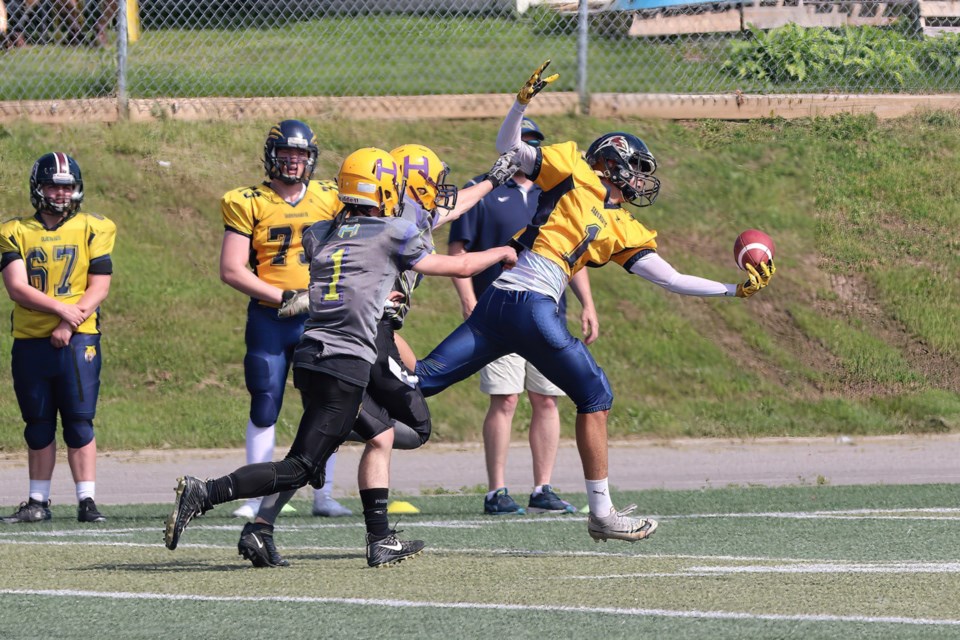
528 324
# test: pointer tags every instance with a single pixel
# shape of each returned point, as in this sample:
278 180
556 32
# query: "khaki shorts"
511 375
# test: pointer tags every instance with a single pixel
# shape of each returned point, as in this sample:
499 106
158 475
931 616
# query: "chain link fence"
119 50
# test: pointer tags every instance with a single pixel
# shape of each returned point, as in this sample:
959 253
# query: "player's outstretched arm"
467 264
502 170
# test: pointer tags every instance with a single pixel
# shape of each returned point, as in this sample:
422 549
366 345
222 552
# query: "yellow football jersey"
574 227
275 228
58 264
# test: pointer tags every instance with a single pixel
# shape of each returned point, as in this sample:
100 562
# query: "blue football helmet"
624 160
56 168
289 134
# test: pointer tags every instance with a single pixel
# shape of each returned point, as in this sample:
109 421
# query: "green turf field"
810 562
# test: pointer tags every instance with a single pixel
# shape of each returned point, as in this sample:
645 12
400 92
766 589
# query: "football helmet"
425 173
624 160
56 168
289 134
370 177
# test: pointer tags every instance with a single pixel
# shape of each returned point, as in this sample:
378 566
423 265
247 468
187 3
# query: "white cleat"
248 510
620 526
330 508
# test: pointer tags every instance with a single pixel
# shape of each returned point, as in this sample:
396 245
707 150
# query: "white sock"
323 493
85 489
598 497
40 490
537 490
260 442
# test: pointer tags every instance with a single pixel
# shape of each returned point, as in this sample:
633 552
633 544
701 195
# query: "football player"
261 256
354 261
581 223
57 269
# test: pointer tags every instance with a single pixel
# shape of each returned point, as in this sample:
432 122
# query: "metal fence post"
122 38
582 43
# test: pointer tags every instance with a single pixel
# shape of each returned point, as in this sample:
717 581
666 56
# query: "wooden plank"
348 108
939 8
734 106
665 25
729 106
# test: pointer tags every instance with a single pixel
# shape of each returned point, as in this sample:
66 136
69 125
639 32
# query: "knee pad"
77 433
39 435
408 437
292 472
265 381
596 396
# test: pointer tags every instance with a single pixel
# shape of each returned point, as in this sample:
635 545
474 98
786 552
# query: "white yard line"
648 613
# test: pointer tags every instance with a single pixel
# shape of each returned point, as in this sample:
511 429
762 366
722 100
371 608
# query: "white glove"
295 302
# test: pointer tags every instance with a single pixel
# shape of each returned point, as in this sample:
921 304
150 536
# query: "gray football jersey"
353 268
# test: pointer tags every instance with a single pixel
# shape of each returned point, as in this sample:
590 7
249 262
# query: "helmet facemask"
425 176
624 160
290 134
56 169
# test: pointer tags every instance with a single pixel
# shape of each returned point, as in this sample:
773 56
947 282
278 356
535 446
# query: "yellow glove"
535 84
756 280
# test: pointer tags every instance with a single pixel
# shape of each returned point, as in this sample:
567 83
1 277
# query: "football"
752 247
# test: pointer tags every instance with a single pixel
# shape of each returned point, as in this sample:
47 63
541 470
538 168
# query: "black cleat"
391 550
256 545
30 511
191 500
87 512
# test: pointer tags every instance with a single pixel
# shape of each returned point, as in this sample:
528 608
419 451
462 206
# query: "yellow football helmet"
425 174
370 177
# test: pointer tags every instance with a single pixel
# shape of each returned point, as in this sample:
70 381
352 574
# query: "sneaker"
256 545
618 525
549 502
330 508
191 500
501 504
30 511
248 510
391 550
87 512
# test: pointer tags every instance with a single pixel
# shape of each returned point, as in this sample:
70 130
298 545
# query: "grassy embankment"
857 334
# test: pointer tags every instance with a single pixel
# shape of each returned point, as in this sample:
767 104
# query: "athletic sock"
537 490
221 490
598 497
260 443
85 490
375 511
40 490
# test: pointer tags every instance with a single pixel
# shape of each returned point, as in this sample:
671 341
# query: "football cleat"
191 500
248 510
327 507
549 502
87 512
391 550
256 545
620 526
502 504
30 511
